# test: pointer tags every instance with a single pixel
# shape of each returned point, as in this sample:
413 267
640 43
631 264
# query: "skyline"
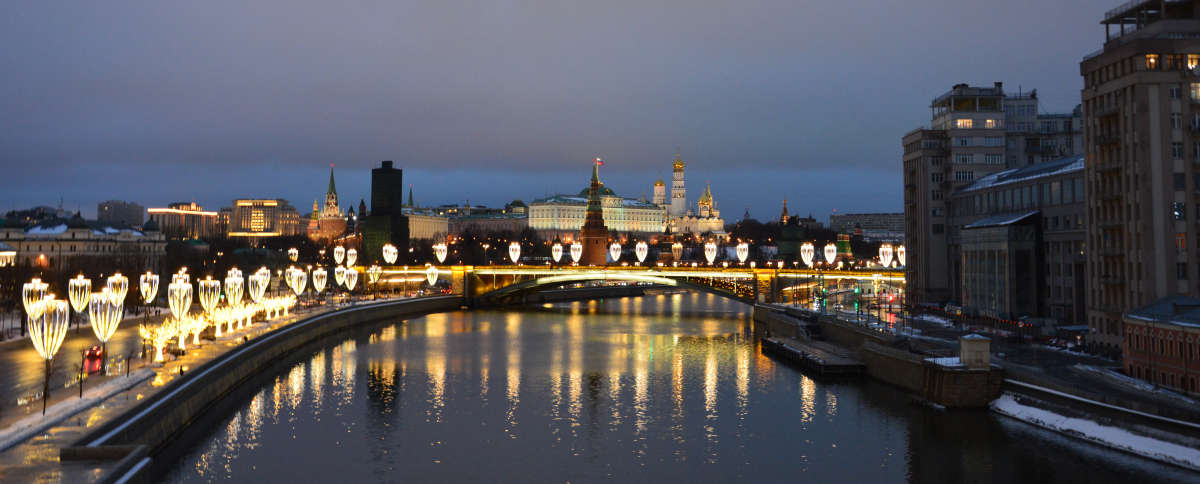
166 98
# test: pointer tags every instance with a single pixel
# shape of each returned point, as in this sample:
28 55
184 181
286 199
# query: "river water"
662 388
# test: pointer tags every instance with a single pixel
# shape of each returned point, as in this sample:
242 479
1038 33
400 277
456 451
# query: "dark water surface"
666 388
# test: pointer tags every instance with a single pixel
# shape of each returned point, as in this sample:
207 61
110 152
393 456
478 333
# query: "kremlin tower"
594 235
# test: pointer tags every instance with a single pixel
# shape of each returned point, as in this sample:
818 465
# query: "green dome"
604 191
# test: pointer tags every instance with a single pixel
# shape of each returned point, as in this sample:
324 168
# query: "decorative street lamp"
148 283
641 250
339 253
710 251
614 251
743 252
576 252
514 252
293 254
106 313
319 276
119 285
339 275
390 253
901 256
47 331
439 251
373 274
677 251
79 290
556 251
234 289
32 293
297 279
830 253
431 275
351 257
210 296
885 255
179 300
807 251
351 279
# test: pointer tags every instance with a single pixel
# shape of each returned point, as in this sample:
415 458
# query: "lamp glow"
47 332
614 251
743 252
119 285
710 252
576 252
885 254
339 253
677 251
901 255
431 275
373 274
351 279
351 257
556 252
293 254
390 253
179 298
79 290
807 251
439 251
830 253
148 283
32 293
106 314
641 250
319 277
514 252
339 275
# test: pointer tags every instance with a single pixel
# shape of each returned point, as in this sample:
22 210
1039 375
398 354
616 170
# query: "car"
93 359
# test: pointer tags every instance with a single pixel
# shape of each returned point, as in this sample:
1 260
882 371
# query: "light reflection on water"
667 387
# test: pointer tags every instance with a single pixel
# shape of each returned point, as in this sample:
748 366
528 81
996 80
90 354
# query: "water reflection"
666 387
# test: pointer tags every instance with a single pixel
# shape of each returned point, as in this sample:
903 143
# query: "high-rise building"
117 212
974 132
263 218
182 220
1141 118
386 222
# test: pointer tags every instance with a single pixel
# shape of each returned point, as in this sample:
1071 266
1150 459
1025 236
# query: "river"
663 388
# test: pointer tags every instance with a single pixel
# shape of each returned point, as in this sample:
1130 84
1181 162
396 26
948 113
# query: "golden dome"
678 163
660 183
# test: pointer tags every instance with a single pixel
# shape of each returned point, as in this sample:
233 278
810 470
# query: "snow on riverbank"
1112 437
938 320
31 425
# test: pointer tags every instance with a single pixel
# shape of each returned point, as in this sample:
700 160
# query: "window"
1195 90
1174 62
962 141
935 161
1079 195
1180 181
1175 91
1176 121
1181 271
937 212
964 123
1192 61
937 177
995 159
1177 150
964 175
1179 211
992 123
1152 62
964 158
935 195
1181 240
939 228
993 141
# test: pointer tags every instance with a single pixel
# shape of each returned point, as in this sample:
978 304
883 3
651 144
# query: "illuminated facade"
566 213
678 192
263 218
331 223
184 221
66 244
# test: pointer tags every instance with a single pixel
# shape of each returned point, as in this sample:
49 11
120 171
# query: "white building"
565 213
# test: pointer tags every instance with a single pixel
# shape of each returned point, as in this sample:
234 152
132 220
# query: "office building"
1141 118
386 222
182 220
257 218
120 213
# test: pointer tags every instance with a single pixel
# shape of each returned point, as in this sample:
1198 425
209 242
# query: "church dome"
660 183
604 191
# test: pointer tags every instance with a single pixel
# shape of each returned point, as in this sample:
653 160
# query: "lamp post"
106 313
210 296
234 288
614 251
293 254
32 293
576 252
319 276
390 253
179 299
351 257
148 284
556 252
641 250
439 251
514 252
710 252
743 252
339 253
79 290
47 331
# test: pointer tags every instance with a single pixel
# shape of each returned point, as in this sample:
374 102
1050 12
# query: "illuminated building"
65 244
678 192
331 223
593 234
705 220
184 221
263 218
563 215
8 255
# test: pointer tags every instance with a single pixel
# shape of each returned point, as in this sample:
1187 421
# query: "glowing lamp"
106 313
373 274
439 251
743 252
885 255
47 332
32 293
119 285
293 254
390 253
79 290
614 251
900 255
641 250
431 275
556 251
710 252
339 253
576 252
351 257
148 283
209 290
830 253
677 251
319 277
807 251
179 298
234 287
351 279
514 252
339 275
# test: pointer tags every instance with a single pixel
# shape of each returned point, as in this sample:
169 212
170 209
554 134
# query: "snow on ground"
938 320
947 361
1112 437
35 423
1128 381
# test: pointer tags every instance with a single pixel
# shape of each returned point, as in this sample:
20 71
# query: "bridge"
502 285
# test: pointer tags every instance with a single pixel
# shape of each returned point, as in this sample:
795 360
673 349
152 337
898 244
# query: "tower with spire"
678 192
594 234
784 217
331 223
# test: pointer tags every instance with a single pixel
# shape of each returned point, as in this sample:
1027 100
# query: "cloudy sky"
489 101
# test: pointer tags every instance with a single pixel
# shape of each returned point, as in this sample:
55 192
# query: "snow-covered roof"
975 336
947 361
1060 166
6 248
999 220
52 230
1177 310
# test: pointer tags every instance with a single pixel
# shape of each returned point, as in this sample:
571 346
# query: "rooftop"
1060 166
1000 220
1178 310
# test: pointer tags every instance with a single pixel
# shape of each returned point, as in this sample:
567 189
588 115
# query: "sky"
487 102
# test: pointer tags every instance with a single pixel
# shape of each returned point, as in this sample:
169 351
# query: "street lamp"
293 254
351 257
210 296
431 275
339 253
830 253
351 279
47 331
319 276
339 275
677 251
576 252
743 252
556 251
79 290
807 251
514 252
148 284
885 255
614 251
390 253
106 313
234 288
710 251
439 251
901 255
179 300
641 250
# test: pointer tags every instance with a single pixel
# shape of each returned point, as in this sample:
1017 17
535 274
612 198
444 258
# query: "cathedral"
328 223
679 218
